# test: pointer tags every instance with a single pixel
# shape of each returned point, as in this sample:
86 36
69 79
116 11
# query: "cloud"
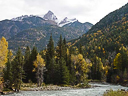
84 10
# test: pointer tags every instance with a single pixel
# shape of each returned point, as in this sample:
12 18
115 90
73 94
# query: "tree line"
53 65
59 65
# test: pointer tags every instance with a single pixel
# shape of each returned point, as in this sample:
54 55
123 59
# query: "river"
95 91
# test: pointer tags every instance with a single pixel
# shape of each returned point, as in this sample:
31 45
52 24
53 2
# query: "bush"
84 85
115 93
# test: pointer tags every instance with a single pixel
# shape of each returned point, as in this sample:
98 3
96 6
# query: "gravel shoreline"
45 88
48 88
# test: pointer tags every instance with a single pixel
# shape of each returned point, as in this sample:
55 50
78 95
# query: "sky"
83 10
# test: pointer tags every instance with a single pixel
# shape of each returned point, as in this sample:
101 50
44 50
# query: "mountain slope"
9 28
39 36
34 37
35 31
84 27
108 35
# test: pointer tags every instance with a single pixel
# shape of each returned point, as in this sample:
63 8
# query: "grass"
115 93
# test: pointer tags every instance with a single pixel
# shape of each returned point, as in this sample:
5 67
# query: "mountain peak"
50 12
50 16
66 21
21 17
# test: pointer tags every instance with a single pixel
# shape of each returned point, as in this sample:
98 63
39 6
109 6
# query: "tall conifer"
31 75
50 61
17 70
26 64
60 48
8 79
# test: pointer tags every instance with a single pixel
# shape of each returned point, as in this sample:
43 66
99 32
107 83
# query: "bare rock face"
50 16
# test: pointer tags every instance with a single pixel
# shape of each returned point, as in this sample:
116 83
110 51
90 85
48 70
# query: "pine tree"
97 69
65 50
50 48
17 70
59 49
26 64
32 75
80 49
64 72
55 72
50 61
8 79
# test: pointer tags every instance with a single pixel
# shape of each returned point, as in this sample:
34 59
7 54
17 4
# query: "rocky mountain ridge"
35 31
48 16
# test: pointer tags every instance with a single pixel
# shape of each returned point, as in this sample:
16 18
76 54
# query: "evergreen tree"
121 61
50 61
17 70
52 71
64 72
71 67
50 48
64 41
8 79
65 50
97 69
32 75
26 64
59 49
80 49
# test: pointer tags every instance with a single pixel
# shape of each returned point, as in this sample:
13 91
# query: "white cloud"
84 10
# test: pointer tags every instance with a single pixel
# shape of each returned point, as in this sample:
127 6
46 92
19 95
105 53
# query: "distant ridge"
34 30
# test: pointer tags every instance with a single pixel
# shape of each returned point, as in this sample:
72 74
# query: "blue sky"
83 10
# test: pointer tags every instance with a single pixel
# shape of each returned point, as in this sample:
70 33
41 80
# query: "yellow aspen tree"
117 61
39 64
3 57
3 52
81 67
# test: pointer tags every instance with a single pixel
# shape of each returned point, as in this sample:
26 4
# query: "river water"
95 91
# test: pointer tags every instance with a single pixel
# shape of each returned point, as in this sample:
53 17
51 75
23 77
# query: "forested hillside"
108 40
39 36
107 35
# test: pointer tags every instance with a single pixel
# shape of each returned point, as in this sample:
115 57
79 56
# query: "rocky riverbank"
43 88
98 90
46 88
33 87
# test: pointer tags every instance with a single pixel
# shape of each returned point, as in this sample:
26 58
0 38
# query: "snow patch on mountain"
66 21
50 16
21 17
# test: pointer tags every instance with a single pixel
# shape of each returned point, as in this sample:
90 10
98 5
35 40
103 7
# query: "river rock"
122 89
